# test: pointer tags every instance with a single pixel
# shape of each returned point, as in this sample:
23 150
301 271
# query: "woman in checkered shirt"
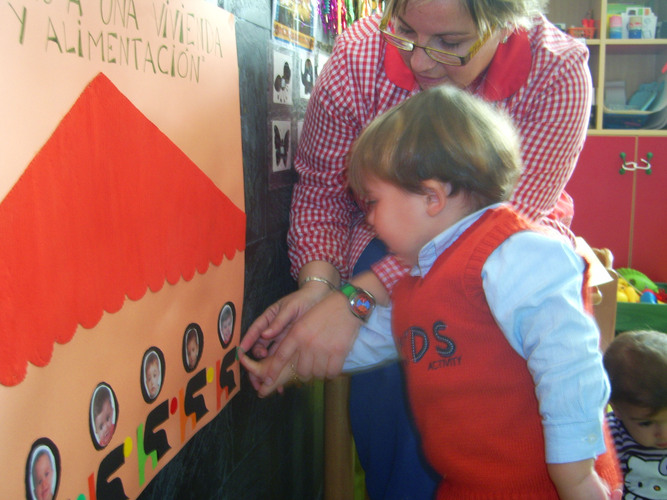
504 51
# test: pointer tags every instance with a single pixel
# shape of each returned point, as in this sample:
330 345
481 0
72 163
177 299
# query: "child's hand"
578 481
258 370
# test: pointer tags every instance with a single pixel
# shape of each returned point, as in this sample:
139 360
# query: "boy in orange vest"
503 369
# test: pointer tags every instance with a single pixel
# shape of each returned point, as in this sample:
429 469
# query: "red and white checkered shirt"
540 77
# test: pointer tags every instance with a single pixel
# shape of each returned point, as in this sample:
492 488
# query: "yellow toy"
626 292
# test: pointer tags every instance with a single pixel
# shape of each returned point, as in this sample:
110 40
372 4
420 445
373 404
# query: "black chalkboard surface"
255 448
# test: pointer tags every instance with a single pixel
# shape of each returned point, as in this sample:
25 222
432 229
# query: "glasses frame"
409 46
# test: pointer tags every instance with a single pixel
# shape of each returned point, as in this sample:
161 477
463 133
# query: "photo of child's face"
153 371
226 323
226 328
104 425
153 379
193 351
42 476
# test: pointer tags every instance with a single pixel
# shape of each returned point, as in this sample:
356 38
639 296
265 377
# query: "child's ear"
436 194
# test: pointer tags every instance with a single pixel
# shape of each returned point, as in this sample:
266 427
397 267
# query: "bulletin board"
122 239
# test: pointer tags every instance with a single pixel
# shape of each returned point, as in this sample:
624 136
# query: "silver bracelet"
320 279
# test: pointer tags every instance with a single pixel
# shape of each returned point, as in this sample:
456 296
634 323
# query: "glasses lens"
402 44
443 57
397 41
435 54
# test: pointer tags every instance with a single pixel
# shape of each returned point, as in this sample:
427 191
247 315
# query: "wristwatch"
361 301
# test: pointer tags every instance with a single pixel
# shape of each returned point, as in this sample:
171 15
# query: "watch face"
362 303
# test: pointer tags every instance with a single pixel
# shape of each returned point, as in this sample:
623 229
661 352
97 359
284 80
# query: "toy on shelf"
641 302
635 286
637 279
581 32
626 292
648 297
587 28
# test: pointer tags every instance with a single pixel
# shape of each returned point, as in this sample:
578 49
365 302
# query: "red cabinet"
623 212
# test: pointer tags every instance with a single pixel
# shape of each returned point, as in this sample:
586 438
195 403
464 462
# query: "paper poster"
122 238
306 76
294 22
282 148
283 64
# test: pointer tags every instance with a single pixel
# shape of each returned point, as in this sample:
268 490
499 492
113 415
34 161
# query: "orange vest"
472 395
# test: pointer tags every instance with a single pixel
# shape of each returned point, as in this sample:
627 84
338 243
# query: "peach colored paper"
121 228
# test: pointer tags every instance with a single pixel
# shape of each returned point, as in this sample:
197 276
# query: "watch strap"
348 289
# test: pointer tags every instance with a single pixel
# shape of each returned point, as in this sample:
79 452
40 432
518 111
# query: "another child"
103 416
192 348
42 476
502 364
226 323
153 375
636 363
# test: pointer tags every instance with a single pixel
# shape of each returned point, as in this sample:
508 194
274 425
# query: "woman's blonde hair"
486 14
445 134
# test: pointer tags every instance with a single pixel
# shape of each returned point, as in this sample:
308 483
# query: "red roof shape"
108 208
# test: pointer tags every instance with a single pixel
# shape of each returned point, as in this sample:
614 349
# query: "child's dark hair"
636 363
191 335
101 396
444 134
152 359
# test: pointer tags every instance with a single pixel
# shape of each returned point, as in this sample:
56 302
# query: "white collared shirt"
533 285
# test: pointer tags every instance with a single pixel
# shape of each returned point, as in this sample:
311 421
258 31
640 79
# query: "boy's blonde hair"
444 134
486 14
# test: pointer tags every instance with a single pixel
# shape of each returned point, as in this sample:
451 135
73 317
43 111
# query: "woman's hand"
257 370
312 327
268 330
321 338
276 320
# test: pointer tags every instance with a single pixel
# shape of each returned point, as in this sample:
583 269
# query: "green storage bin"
639 316
631 316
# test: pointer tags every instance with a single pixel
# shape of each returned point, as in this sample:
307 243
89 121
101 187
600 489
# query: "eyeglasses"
436 54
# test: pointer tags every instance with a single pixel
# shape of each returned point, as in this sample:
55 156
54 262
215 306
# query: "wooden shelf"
627 132
634 61
639 42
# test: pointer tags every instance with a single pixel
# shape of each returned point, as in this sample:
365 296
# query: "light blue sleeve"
374 345
533 286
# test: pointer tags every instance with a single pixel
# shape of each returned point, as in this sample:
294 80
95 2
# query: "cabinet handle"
623 164
649 155
631 166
